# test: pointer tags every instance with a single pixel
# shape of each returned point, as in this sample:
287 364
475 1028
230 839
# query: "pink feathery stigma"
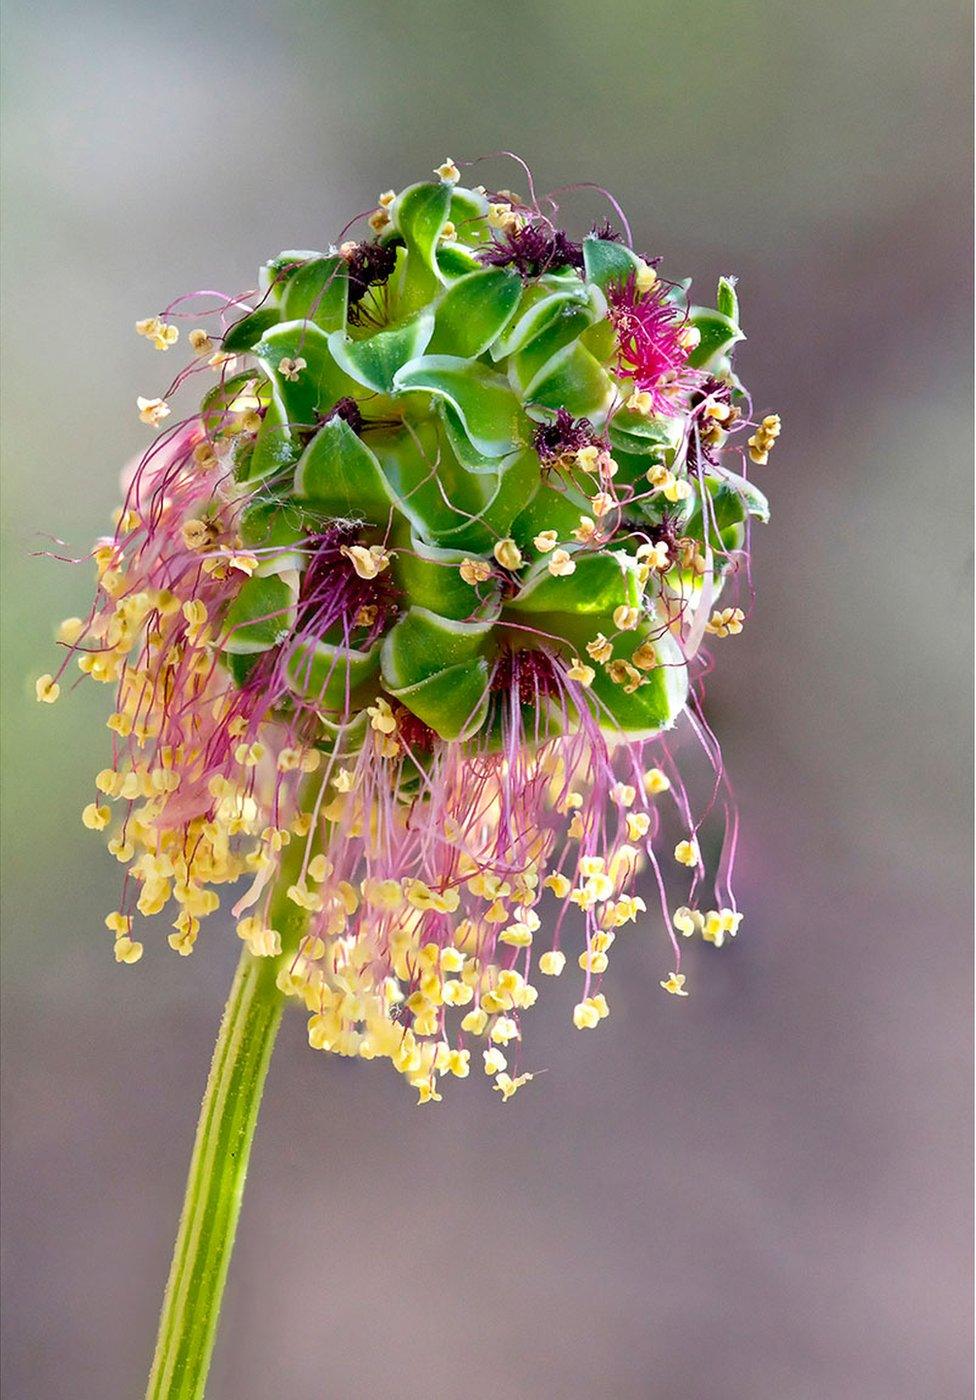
651 349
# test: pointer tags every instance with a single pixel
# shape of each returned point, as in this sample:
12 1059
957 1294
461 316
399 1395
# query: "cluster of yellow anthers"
402 1015
144 637
764 438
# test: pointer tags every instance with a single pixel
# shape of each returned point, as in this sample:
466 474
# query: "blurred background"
760 1193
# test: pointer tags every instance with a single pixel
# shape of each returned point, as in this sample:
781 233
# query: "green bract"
403 411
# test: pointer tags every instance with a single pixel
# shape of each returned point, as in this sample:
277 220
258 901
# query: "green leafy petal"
374 362
261 615
484 402
718 334
318 292
329 675
340 476
473 311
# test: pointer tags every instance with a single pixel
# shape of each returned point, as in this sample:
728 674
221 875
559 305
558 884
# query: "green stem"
218 1167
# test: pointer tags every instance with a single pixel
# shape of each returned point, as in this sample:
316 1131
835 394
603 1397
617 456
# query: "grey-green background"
757 1194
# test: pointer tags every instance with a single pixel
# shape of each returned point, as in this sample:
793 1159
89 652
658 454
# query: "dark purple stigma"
606 232
666 531
532 250
564 436
528 671
413 732
348 410
370 264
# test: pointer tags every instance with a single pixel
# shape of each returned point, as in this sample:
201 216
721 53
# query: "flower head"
400 620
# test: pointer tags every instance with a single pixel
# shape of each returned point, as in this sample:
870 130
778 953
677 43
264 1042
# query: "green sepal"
727 299
261 616
607 262
421 643
275 447
573 380
718 334
274 527
339 475
509 488
636 433
541 303
419 213
437 669
454 260
653 706
374 362
329 675
452 703
240 667
468 214
429 576
600 583
318 386
754 501
218 399
549 509
488 408
568 323
731 500
474 311
319 292
245 333
277 272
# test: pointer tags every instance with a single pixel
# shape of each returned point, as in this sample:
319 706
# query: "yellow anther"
46 689
725 622
319 868
552 963
367 562
585 1015
95 818
622 673
158 332
381 716
641 402
152 411
645 277
656 782
474 571
686 852
508 554
126 951
448 172
70 630
599 650
559 885
290 369
508 1086
645 657
546 541
675 984
475 1021
561 564
504 1030
581 673
495 1061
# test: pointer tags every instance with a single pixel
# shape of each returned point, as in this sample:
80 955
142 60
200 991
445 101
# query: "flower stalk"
218 1169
